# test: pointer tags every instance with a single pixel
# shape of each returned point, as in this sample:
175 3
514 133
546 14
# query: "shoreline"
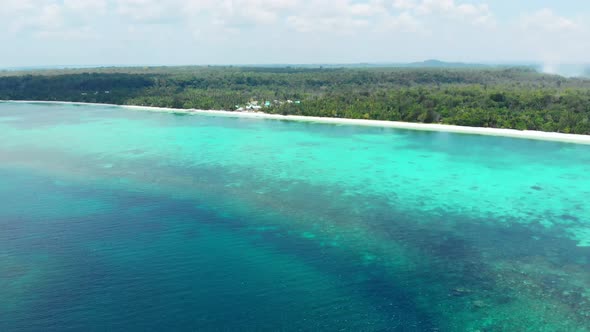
513 133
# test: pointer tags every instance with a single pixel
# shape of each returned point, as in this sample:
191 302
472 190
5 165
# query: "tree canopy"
518 98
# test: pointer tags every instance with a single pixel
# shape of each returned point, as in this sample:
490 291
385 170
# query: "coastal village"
255 105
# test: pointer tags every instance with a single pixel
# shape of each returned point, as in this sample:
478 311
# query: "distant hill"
432 63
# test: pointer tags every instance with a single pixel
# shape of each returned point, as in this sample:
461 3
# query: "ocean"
123 220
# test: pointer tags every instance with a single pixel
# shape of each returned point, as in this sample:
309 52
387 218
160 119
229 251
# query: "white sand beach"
525 134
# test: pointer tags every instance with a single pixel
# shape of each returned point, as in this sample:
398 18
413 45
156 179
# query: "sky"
197 32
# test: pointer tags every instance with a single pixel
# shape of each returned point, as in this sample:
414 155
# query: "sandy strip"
526 134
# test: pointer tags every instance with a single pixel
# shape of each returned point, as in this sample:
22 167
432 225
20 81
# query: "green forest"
517 98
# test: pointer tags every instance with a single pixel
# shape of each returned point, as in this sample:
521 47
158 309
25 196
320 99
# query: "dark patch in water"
135 151
569 217
13 272
307 144
537 188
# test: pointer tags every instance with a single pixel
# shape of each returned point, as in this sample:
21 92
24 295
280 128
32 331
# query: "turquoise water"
113 219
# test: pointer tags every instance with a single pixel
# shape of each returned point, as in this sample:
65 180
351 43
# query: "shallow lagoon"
114 219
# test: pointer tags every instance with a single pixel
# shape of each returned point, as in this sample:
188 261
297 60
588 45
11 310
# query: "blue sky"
175 32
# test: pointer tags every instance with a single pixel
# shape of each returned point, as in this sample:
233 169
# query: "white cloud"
45 17
9 7
404 4
546 20
475 13
365 9
434 6
348 17
50 18
302 15
147 11
552 38
338 25
86 6
363 29
404 22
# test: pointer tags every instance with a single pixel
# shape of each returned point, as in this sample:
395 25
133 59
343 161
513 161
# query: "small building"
253 107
